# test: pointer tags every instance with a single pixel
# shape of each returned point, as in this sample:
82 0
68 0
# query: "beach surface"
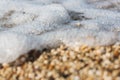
60 40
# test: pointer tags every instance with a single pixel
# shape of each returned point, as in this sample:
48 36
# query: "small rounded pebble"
63 63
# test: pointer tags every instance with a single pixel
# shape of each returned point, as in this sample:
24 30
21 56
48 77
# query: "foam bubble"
37 24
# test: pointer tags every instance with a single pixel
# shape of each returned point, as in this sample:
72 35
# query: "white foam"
37 24
12 45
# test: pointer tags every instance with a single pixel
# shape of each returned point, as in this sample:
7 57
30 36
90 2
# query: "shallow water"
37 24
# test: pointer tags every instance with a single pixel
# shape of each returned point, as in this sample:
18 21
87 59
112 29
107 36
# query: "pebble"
87 63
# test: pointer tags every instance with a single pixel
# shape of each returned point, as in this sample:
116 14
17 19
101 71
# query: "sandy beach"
59 40
62 63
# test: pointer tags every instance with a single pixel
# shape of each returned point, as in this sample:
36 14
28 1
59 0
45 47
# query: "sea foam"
37 24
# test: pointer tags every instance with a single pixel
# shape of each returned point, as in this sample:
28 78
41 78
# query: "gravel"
63 63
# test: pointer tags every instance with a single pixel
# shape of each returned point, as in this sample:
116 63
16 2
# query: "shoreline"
62 63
